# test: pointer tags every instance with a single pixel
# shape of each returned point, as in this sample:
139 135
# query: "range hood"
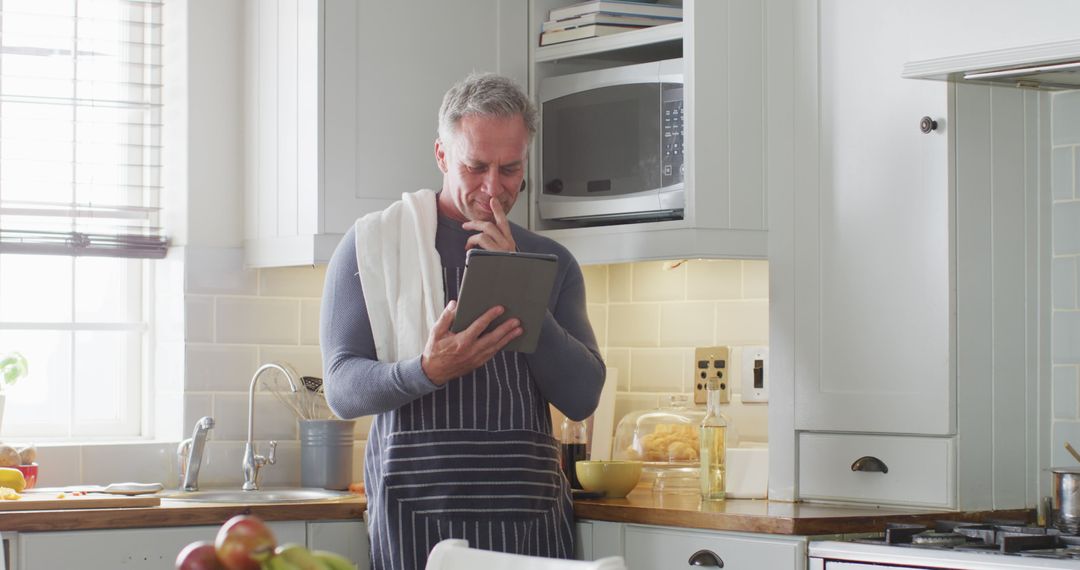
1052 66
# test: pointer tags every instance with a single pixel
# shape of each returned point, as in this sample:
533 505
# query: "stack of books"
594 18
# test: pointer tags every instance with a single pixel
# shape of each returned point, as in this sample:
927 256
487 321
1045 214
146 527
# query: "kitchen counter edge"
178 514
768 517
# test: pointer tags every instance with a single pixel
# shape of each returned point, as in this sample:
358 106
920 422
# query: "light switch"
755 374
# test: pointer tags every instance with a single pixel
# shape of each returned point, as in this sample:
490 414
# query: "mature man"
461 446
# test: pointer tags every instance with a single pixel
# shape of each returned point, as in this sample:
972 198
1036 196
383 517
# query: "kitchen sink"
269 495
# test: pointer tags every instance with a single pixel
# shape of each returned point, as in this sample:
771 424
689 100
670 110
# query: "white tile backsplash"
619 359
105 464
755 279
309 322
1065 282
1064 431
687 324
1065 344
659 370
658 281
742 322
633 325
306 360
216 367
595 283
292 282
1061 172
1067 228
1066 397
597 314
197 406
248 320
1066 118
652 341
198 318
218 271
713 279
620 282
273 420
59 465
1063 279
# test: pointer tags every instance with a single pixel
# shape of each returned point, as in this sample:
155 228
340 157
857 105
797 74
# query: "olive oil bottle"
713 445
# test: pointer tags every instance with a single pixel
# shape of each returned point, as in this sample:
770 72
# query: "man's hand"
449 355
493 236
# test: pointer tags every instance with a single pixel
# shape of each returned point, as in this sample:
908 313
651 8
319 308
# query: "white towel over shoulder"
401 273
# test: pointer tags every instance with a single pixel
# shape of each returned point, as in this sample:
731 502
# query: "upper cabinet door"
873 286
342 104
388 65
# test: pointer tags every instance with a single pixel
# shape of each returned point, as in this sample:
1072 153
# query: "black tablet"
520 282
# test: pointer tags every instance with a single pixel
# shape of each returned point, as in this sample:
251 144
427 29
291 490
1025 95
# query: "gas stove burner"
939 539
901 533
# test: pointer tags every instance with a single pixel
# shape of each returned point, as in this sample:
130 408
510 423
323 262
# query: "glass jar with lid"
666 439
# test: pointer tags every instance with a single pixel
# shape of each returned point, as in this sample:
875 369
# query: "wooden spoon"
1072 451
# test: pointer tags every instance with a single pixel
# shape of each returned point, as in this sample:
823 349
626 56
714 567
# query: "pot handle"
869 463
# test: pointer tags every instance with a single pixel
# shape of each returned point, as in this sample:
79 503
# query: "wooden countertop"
642 506
176 513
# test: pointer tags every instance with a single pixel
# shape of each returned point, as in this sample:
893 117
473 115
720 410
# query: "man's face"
484 160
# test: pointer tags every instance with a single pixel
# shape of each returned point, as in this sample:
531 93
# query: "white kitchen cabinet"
662 548
155 548
872 233
135 548
648 547
583 549
342 108
900 265
347 538
723 45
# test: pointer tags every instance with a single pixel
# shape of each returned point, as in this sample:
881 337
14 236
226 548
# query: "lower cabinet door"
583 541
134 549
665 548
347 538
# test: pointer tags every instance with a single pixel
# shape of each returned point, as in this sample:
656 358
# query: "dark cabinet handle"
926 124
705 558
869 463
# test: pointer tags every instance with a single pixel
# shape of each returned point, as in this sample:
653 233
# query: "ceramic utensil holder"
326 456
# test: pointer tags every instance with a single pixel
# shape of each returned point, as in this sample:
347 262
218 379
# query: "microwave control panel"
672 162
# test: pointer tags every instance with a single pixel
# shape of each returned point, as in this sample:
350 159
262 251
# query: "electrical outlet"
755 374
711 362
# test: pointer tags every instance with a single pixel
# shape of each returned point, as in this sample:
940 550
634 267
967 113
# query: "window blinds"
80 127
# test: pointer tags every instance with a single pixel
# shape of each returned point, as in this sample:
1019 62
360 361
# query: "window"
80 184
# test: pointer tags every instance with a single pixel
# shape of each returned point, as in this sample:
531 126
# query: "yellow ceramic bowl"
614 478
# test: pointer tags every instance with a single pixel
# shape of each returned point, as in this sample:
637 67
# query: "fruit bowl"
29 473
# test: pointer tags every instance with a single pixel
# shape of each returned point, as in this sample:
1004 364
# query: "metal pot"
1066 499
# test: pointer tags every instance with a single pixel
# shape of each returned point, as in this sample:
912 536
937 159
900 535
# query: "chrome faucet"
189 454
253 461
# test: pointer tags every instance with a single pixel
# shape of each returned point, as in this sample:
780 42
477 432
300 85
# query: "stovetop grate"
996 537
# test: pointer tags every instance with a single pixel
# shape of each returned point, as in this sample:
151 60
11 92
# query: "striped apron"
473 460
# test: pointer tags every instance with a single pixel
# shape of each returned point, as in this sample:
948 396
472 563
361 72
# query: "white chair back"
455 554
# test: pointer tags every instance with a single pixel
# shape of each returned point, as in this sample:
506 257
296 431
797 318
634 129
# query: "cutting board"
47 501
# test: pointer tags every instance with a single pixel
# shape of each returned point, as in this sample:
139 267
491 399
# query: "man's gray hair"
485 94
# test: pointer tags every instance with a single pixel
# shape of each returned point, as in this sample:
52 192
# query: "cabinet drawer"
663 548
921 470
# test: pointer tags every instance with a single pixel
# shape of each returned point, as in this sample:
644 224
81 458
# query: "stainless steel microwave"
611 144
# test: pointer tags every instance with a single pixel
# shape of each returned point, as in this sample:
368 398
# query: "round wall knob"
926 124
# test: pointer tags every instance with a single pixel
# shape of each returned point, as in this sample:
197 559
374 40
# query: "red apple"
243 542
199 555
